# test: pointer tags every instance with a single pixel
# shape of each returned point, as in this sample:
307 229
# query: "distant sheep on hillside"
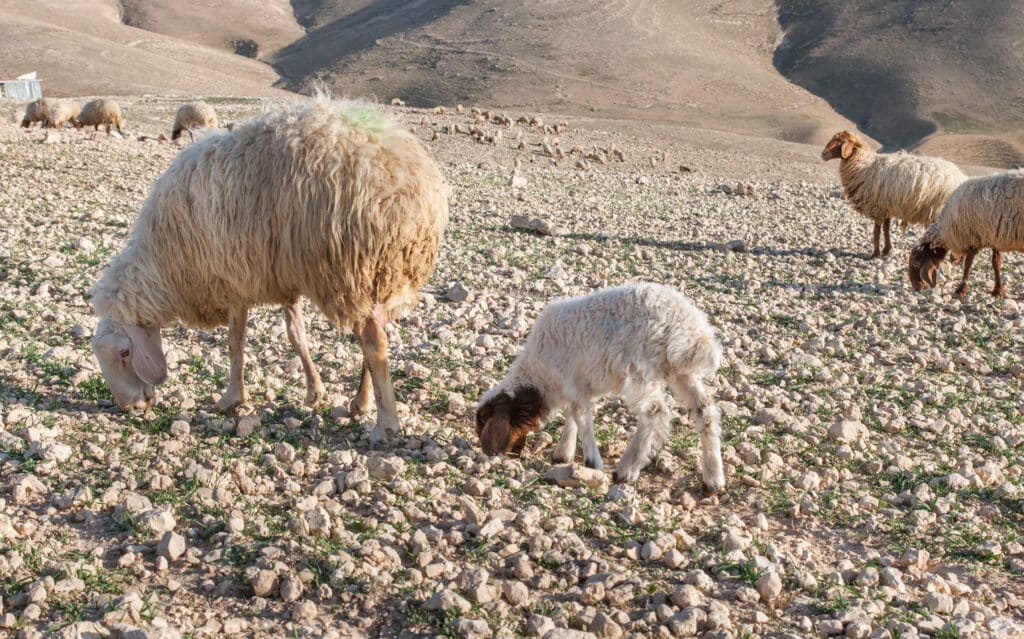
984 212
65 111
101 111
38 111
321 200
891 186
194 115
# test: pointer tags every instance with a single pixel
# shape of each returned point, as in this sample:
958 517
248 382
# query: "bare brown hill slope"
703 63
946 77
81 47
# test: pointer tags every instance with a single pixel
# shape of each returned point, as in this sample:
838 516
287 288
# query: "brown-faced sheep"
38 111
629 341
63 112
194 115
891 186
101 111
984 212
322 200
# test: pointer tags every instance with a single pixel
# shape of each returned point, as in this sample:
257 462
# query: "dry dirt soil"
873 437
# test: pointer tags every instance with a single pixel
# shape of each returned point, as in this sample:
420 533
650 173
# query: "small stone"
304 611
290 588
179 428
769 586
234 626
171 546
265 583
457 293
446 600
247 425
472 629
515 592
574 475
847 431
938 602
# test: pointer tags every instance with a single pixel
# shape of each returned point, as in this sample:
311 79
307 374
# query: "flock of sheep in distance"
331 201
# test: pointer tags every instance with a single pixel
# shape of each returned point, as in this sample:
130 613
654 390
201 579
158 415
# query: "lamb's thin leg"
654 422
968 262
361 403
591 453
888 244
691 391
315 393
374 342
997 266
234 396
566 450
874 239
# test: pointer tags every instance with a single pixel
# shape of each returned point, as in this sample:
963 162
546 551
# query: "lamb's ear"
847 150
929 270
147 354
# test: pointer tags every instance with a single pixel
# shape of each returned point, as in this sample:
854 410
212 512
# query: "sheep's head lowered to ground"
842 145
132 361
503 421
923 267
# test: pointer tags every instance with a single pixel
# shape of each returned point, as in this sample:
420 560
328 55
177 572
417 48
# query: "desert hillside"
943 75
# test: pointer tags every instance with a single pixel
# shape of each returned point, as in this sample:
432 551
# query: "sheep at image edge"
627 341
891 186
323 200
984 212
193 115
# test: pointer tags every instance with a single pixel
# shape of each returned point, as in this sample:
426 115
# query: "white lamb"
627 341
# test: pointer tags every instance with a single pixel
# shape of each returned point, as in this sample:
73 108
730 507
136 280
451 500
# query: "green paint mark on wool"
364 116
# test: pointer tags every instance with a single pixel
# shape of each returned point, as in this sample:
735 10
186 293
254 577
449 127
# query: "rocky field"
873 437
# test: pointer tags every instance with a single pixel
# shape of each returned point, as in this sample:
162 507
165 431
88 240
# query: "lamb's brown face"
923 267
504 422
840 146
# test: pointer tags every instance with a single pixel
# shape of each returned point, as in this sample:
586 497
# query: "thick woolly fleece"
984 212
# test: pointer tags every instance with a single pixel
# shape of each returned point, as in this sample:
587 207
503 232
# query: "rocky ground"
873 436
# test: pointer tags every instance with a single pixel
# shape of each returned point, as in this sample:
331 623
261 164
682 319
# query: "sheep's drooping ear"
494 424
928 273
528 409
147 354
847 149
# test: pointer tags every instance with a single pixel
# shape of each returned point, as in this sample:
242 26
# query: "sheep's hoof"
356 408
559 459
619 477
384 432
714 488
317 397
229 402
997 291
596 464
960 292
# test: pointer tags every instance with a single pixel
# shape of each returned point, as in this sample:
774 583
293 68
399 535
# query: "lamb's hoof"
620 477
714 488
316 397
997 292
875 256
596 464
559 459
960 292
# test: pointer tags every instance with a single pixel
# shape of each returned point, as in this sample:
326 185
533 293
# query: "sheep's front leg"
874 239
591 453
565 452
374 342
997 266
888 244
653 425
296 324
707 418
234 396
968 262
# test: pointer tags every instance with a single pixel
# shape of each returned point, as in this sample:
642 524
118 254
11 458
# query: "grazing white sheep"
65 111
38 111
101 111
984 212
193 115
891 186
323 200
627 341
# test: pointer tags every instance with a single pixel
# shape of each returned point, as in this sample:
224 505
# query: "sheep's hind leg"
234 396
565 452
968 262
654 422
591 453
692 392
997 266
888 243
361 403
374 342
315 393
